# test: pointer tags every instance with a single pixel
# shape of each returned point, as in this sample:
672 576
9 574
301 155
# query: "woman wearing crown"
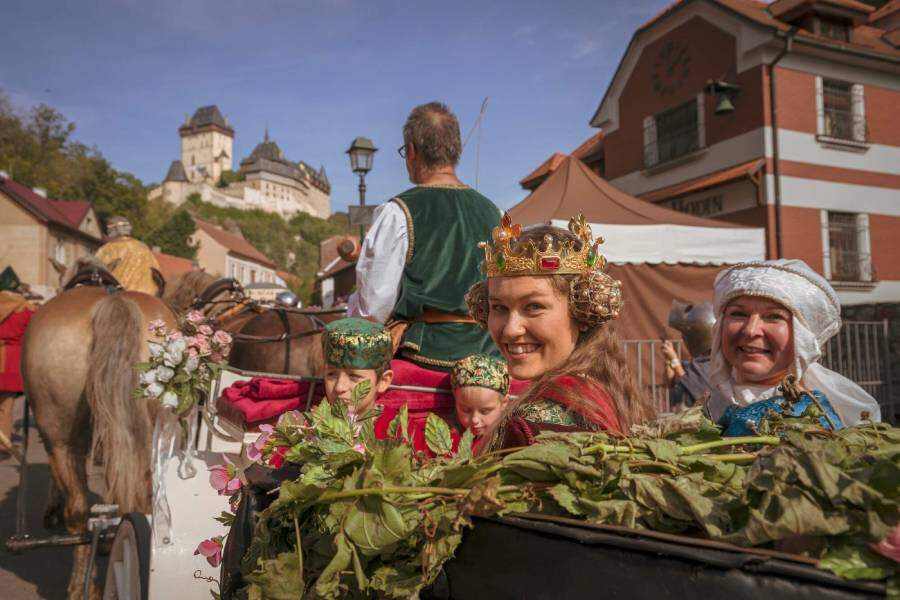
545 303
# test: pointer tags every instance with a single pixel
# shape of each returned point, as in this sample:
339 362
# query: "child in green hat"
356 350
480 386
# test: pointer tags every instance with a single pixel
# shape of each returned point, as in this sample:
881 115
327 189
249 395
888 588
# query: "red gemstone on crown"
550 262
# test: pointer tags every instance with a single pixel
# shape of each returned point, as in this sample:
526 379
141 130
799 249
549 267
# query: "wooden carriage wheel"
128 574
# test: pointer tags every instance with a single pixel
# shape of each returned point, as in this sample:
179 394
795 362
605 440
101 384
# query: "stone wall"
878 312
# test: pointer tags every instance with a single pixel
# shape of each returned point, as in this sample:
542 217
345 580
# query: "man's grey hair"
433 131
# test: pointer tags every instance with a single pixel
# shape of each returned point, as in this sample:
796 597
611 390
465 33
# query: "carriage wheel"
128 573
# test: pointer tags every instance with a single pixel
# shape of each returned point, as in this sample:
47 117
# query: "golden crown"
548 257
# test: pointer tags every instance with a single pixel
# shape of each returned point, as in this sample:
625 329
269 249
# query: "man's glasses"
402 151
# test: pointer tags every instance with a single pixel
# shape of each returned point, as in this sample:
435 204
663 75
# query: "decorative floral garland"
184 363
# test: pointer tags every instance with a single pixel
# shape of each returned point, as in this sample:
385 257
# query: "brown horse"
78 361
266 339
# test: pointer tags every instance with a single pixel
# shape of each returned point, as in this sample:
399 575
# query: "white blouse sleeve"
380 265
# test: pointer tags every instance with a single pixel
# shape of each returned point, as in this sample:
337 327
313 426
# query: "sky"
319 73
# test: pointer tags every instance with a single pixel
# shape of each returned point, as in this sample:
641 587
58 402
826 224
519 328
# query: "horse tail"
121 423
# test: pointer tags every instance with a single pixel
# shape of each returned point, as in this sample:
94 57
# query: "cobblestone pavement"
41 573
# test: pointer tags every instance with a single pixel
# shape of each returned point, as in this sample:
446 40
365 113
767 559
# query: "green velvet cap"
480 370
356 344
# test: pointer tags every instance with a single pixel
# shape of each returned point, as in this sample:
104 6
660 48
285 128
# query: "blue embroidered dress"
742 420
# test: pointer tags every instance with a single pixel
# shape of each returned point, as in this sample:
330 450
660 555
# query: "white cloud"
584 48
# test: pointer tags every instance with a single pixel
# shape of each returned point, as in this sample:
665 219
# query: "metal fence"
648 366
859 352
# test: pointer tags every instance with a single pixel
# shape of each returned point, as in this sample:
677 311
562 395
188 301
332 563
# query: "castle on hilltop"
265 180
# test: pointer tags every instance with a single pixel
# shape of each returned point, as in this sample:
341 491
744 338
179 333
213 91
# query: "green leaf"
464 450
328 585
226 518
437 435
278 578
398 429
359 392
855 562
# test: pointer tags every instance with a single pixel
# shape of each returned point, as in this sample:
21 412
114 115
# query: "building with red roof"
226 254
776 115
40 236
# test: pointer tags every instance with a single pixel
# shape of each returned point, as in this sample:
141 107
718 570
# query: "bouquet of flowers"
184 363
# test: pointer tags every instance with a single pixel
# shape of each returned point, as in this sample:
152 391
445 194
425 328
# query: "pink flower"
211 549
277 458
889 547
205 330
360 448
157 326
254 450
174 335
216 357
196 317
202 345
224 478
223 338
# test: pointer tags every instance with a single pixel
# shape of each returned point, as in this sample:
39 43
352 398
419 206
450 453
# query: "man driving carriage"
420 256
129 260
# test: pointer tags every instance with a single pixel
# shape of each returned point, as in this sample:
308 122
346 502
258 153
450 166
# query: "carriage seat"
93 275
249 404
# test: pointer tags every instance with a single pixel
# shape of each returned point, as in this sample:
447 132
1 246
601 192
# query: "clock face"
671 68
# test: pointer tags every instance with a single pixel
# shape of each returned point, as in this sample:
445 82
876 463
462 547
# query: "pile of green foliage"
369 517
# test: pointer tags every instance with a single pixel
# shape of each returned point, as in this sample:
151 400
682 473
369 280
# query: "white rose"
172 359
170 400
177 346
191 364
164 374
148 377
154 390
156 350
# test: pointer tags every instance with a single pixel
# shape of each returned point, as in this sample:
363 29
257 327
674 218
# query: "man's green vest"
445 225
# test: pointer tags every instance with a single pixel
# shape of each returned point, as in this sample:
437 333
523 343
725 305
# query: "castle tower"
206 145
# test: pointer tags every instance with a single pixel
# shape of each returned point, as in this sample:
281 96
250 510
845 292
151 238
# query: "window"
848 254
59 252
674 133
836 30
842 110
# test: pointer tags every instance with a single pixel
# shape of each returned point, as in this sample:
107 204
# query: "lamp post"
362 155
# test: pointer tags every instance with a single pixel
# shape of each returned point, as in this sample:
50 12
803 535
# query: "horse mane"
184 288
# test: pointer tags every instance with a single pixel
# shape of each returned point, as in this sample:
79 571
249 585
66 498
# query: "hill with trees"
37 149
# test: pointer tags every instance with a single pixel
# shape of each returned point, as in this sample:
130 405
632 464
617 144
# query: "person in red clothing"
15 313
358 350
546 303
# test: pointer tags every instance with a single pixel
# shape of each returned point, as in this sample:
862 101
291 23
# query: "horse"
78 359
273 339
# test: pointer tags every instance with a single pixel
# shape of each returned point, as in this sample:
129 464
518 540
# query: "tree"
173 236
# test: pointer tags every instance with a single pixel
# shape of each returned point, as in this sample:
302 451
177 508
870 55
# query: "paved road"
41 573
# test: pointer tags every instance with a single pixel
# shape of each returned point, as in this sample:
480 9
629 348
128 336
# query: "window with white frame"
841 110
59 252
675 132
846 246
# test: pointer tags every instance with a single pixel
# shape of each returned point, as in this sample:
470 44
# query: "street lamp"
362 155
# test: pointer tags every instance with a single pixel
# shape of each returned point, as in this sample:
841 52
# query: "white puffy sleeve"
380 265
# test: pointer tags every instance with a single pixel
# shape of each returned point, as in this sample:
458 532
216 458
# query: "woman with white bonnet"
773 319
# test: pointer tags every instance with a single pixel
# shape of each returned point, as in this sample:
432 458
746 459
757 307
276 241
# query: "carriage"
152 555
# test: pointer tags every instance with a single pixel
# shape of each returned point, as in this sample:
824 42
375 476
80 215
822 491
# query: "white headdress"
817 317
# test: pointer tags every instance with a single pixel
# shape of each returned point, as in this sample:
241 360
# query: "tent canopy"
636 231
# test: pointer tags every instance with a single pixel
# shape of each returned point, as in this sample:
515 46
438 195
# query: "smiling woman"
774 318
546 304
